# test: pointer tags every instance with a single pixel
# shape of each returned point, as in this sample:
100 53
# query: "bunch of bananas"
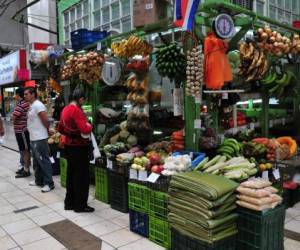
276 83
130 47
230 148
254 63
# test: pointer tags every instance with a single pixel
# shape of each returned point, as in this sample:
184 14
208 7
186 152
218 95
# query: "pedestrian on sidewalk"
1 126
74 125
19 118
38 127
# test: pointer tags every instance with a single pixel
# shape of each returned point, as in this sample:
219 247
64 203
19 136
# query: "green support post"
265 113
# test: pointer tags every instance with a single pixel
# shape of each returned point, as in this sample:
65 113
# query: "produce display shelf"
181 241
261 230
63 171
101 184
159 232
118 192
139 222
158 204
138 197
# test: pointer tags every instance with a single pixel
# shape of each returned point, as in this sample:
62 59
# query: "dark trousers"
77 177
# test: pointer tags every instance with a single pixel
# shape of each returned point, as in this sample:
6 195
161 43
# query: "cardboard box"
147 12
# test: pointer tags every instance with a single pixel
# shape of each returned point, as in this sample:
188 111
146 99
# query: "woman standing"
74 125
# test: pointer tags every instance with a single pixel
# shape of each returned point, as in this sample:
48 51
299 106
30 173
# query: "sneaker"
24 174
20 171
46 188
33 183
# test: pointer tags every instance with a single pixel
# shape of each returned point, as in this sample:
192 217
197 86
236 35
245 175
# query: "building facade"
110 15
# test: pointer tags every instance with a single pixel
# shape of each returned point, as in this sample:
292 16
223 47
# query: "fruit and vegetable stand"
214 175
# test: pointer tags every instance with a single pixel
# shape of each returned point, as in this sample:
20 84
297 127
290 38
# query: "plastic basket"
247 4
181 241
159 232
83 37
118 192
101 185
139 223
138 197
63 171
262 231
158 204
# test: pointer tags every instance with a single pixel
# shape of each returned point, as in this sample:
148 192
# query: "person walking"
74 125
38 127
19 118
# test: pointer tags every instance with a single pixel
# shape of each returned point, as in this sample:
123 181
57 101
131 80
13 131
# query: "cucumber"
201 164
215 167
212 162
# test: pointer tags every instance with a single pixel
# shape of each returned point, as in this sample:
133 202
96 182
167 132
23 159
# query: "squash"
290 142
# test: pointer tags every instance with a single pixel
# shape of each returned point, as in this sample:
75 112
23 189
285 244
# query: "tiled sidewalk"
23 230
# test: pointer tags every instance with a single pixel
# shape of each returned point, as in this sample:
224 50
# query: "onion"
264 35
260 30
272 39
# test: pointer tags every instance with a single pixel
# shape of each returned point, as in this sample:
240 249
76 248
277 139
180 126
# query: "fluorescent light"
247 102
157 132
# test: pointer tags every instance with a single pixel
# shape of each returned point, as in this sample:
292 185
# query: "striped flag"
184 14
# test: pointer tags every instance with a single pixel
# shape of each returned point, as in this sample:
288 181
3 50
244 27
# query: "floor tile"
109 213
20 198
84 220
47 198
7 209
10 218
7 187
69 214
47 218
293 225
291 244
2 232
45 244
13 194
56 206
297 206
6 243
102 228
120 238
19 226
29 203
293 212
98 205
38 211
122 221
106 246
30 236
142 244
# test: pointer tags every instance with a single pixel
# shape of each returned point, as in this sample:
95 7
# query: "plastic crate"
122 169
162 184
138 197
63 171
261 230
118 192
159 232
158 204
139 223
181 241
101 185
247 4
83 37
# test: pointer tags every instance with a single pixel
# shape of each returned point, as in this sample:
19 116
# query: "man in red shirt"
22 135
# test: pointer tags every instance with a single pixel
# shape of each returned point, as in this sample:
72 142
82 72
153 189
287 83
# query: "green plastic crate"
158 204
138 197
261 230
63 171
101 185
160 232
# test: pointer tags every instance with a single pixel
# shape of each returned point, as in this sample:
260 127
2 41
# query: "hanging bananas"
254 63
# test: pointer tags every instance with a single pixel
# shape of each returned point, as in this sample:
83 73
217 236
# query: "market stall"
208 171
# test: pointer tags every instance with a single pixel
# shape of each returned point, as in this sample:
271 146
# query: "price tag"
143 175
252 126
133 174
265 175
276 174
52 160
198 99
99 46
224 96
191 155
197 124
109 164
153 177
58 154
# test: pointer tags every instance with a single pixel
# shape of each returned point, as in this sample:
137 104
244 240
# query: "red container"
296 24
